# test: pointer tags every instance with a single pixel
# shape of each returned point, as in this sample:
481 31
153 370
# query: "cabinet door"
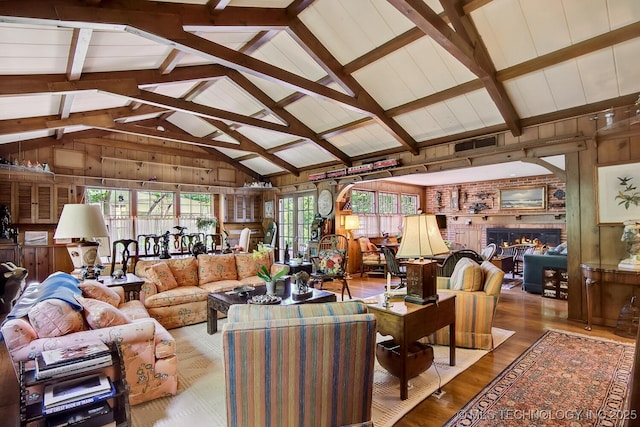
35 203
63 195
38 260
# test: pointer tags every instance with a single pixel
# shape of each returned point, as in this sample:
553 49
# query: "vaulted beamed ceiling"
281 86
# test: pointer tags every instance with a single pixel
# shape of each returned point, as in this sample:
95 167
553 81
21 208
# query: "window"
409 204
194 206
387 217
116 208
156 212
295 216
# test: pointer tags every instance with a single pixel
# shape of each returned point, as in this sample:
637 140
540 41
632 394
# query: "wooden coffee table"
407 322
221 301
131 284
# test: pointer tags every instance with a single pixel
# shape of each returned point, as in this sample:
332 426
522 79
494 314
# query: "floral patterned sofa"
88 311
175 290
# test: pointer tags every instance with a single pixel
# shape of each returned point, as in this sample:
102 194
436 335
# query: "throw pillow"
214 268
162 276
247 266
331 262
54 317
100 314
185 271
96 290
466 276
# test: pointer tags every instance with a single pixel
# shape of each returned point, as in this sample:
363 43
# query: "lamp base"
83 253
630 263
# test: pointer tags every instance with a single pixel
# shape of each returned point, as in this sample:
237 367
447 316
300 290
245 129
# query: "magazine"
44 371
96 414
75 389
72 354
80 402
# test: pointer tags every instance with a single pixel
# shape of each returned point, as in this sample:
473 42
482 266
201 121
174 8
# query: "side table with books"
83 385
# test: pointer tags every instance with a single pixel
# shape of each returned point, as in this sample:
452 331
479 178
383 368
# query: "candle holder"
386 303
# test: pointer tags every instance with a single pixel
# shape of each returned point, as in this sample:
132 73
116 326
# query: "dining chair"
394 267
331 261
124 253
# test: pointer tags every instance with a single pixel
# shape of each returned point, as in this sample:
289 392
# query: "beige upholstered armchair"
299 365
477 289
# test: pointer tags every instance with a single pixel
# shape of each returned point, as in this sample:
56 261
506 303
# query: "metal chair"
331 261
125 253
517 251
394 267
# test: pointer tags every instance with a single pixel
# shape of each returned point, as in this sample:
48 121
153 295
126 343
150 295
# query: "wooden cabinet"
555 283
39 262
243 208
10 253
38 203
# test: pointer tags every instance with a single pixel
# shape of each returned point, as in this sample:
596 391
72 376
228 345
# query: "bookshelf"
32 392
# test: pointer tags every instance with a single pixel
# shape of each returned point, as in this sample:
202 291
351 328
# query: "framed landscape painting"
616 186
524 198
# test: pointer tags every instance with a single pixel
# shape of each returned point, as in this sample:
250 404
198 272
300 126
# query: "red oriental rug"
563 379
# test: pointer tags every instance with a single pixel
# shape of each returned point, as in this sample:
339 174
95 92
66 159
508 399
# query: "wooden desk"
407 322
594 272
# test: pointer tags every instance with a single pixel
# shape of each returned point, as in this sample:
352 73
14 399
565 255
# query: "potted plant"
300 257
204 224
270 279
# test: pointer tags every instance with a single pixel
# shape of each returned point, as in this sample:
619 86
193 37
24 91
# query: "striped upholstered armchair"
299 365
477 288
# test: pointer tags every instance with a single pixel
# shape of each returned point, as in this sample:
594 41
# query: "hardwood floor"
526 314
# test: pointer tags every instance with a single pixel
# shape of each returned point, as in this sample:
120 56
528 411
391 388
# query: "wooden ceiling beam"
311 44
435 98
385 49
257 41
80 41
457 43
303 130
298 6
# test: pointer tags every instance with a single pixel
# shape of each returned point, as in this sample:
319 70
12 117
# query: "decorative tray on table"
265 299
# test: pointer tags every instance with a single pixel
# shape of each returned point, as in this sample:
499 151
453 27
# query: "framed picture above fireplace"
617 192
523 198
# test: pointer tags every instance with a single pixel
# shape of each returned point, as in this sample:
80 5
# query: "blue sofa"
533 266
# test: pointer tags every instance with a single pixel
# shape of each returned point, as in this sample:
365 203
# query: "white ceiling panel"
190 60
505 32
266 138
349 29
627 69
28 49
262 166
484 107
232 153
285 53
175 90
257 3
225 95
191 124
140 117
118 50
363 140
533 95
420 124
598 73
586 18
25 136
622 13
29 106
541 15
305 155
231 39
273 90
90 100
322 115
565 84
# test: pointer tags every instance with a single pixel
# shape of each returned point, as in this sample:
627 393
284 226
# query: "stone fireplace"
511 236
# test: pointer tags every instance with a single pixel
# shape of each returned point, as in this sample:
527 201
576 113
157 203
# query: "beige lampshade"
421 237
84 222
351 222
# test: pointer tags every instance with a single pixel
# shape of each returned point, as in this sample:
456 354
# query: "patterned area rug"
563 379
201 391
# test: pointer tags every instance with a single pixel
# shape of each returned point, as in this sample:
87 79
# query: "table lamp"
83 222
421 238
351 222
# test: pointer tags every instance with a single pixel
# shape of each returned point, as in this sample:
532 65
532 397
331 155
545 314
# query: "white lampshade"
80 221
351 222
421 237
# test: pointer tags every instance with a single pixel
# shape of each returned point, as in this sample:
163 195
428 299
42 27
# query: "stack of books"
78 359
77 393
